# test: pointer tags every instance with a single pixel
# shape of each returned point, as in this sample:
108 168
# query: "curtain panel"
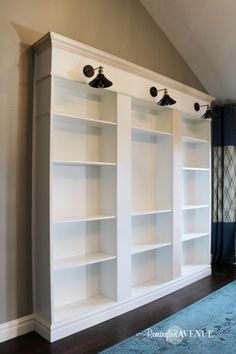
224 184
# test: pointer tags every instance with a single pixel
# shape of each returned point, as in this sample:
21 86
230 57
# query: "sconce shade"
208 114
166 100
100 80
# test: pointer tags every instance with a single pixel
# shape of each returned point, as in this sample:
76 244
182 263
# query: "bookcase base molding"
121 189
111 310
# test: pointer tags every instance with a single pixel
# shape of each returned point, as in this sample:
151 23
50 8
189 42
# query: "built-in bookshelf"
196 196
151 196
83 190
121 190
151 170
151 269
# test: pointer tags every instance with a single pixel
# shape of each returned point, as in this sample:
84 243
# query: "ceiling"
204 33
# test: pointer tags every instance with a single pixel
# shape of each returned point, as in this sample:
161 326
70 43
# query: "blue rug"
206 327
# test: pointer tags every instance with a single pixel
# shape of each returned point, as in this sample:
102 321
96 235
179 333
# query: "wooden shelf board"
149 246
64 118
149 212
69 219
193 235
195 169
150 132
189 139
146 287
82 308
76 84
79 261
82 163
195 206
189 269
138 103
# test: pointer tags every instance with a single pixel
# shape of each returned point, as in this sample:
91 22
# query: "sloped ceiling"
204 33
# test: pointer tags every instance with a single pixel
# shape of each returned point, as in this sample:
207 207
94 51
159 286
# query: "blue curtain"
224 184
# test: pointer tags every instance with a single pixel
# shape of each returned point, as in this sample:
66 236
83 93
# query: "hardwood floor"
102 336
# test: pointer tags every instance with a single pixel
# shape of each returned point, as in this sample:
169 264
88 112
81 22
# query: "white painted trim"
71 45
26 324
15 328
71 326
42 327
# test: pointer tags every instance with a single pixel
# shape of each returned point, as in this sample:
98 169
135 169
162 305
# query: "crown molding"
59 41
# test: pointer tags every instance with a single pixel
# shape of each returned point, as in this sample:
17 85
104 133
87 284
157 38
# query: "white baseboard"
52 333
68 327
42 327
15 328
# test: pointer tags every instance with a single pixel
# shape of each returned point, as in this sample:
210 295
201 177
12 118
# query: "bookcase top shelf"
192 235
82 163
74 119
150 212
63 220
150 132
189 139
197 206
185 168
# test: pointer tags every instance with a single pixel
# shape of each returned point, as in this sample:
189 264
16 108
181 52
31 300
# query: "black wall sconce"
208 114
100 80
166 100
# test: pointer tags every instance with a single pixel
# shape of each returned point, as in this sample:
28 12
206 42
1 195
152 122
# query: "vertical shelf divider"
41 224
123 197
177 193
210 189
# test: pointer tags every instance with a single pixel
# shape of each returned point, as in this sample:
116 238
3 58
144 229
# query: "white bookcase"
121 189
151 260
196 195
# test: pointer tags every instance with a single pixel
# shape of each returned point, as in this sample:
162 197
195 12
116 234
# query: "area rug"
206 327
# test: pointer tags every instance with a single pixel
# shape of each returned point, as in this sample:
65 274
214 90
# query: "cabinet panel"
196 188
150 269
151 231
78 141
195 254
74 98
151 172
77 291
195 154
83 191
84 238
43 97
148 115
196 221
196 128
